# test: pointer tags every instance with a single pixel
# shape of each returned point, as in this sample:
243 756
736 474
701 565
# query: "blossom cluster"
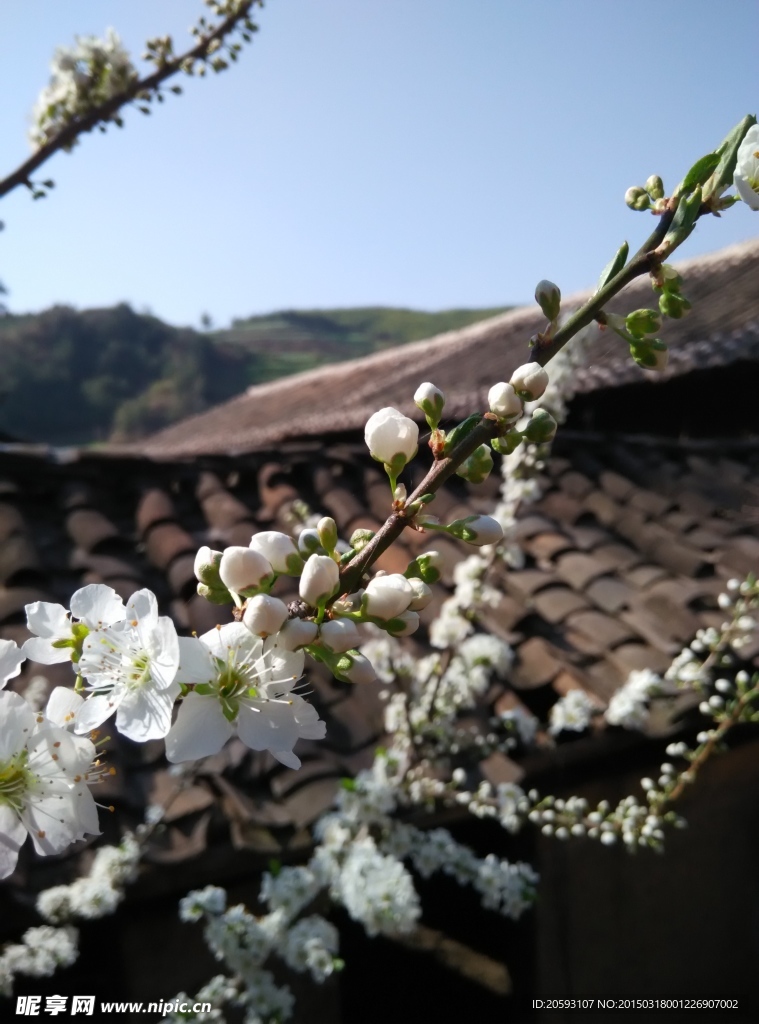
83 77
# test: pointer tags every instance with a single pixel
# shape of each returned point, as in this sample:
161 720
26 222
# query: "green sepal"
418 503
673 305
346 556
214 595
541 428
507 443
275 867
697 175
294 565
614 265
421 568
204 689
728 156
348 783
477 467
642 322
460 431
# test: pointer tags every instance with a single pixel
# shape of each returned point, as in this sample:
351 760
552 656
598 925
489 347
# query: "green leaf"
460 431
728 154
698 174
614 266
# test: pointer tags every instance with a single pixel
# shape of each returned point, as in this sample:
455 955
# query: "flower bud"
207 566
347 604
504 402
327 530
637 198
651 355
355 668
320 580
297 633
654 186
507 443
242 569
746 176
529 380
279 550
477 467
673 305
541 428
426 566
548 297
360 538
479 530
431 401
265 614
308 542
386 597
340 635
404 625
643 321
391 437
422 594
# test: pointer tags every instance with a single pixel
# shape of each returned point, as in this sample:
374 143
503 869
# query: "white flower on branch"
572 712
130 669
319 580
242 686
265 614
529 380
387 597
44 772
60 634
746 177
391 437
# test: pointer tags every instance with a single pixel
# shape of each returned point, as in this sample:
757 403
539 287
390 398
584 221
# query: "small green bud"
643 321
673 305
508 443
477 467
426 567
652 354
215 595
655 187
360 538
548 297
637 198
541 428
327 530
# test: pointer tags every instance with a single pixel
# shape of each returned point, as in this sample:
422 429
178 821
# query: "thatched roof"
722 328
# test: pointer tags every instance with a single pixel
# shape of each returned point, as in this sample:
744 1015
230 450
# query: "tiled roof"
625 553
722 328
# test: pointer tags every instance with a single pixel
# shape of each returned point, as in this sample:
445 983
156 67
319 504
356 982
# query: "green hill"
74 377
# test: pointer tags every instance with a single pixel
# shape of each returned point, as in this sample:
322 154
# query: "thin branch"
105 112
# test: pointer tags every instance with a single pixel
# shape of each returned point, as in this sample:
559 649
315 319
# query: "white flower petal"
39 649
97 605
11 660
267 726
200 729
195 662
145 714
18 721
48 620
95 710
63 705
12 836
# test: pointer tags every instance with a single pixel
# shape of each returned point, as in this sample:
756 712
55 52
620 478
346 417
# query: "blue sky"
421 153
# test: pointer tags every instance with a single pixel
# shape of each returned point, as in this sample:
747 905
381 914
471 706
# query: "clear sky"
420 153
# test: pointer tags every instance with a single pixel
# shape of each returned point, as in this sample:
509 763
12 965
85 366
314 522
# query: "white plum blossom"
243 569
572 712
391 437
377 890
504 401
319 580
130 668
340 635
746 178
265 614
243 686
279 551
387 597
42 951
530 379
43 783
60 633
83 77
11 660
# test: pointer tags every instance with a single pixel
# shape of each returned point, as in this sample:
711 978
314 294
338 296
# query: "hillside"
72 378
